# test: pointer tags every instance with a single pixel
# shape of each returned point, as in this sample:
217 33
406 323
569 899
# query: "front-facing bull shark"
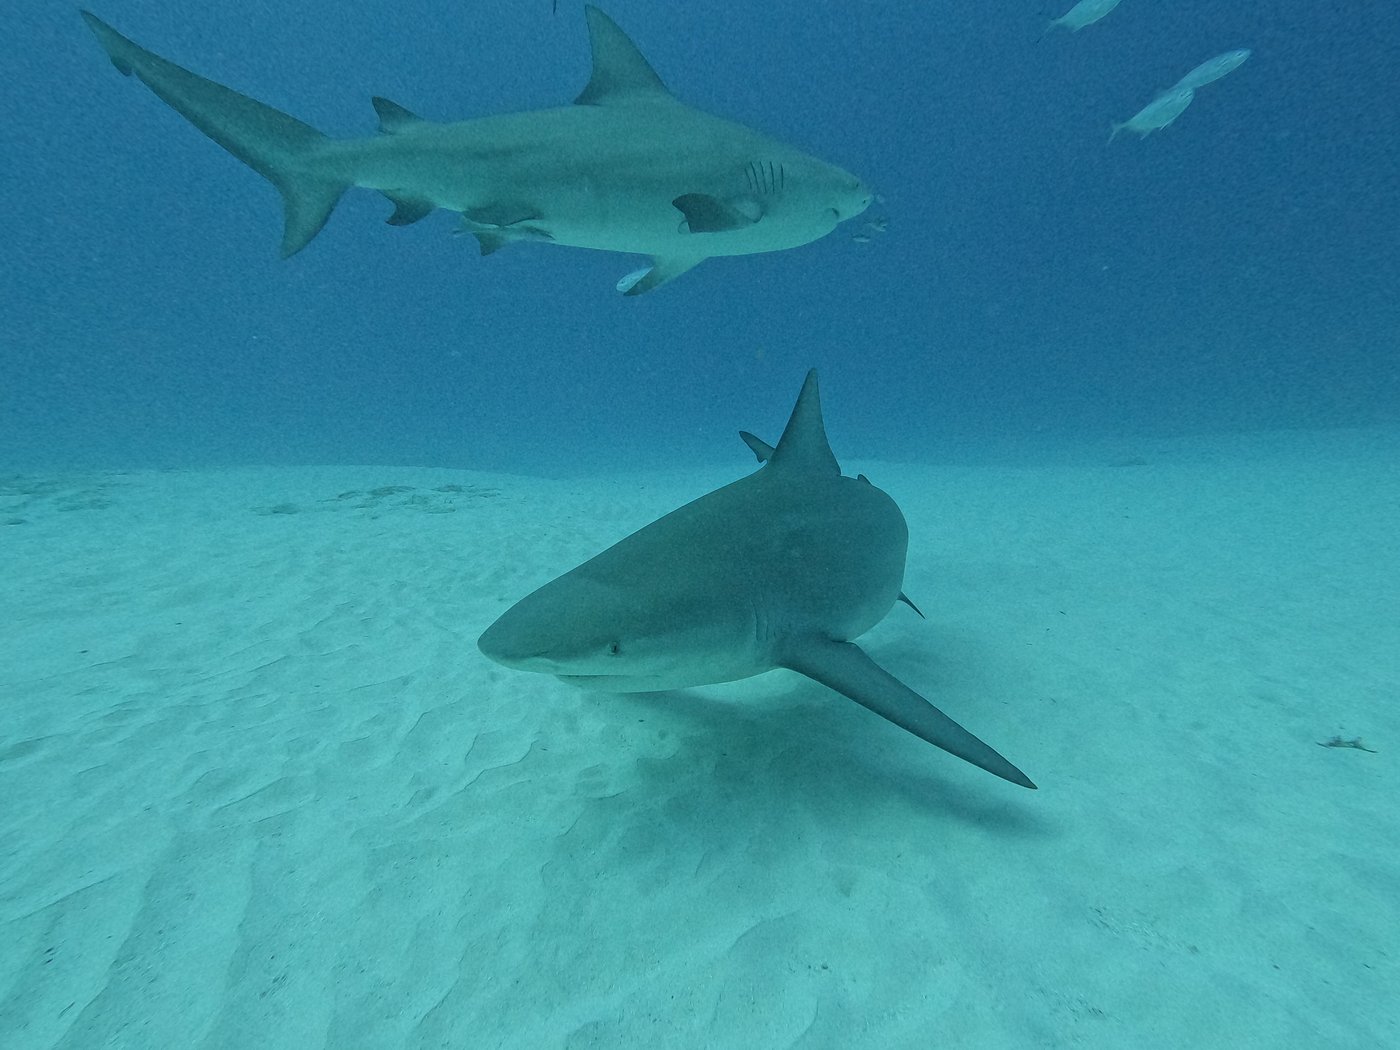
626 168
782 568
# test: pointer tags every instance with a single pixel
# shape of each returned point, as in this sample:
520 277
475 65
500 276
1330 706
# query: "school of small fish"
1169 104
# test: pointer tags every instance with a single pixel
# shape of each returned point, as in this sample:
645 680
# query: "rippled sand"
258 788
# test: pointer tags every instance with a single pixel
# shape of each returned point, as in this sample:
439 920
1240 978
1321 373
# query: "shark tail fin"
278 147
1114 129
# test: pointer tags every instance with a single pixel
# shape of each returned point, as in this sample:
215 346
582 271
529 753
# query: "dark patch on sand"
443 499
36 495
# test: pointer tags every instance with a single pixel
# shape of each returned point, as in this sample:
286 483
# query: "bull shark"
626 168
782 568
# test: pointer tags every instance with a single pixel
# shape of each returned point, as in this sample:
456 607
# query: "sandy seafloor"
258 788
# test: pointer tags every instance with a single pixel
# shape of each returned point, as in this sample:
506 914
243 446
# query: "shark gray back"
626 168
782 568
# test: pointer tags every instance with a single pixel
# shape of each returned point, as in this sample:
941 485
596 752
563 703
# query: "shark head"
785 201
607 634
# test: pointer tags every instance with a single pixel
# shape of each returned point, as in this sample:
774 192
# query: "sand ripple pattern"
257 788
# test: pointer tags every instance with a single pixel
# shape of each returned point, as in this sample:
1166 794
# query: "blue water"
1237 271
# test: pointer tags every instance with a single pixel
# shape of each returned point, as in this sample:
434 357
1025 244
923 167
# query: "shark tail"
1114 129
278 147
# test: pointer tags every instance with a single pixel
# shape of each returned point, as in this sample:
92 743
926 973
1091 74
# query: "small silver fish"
1084 13
1157 114
1211 70
870 230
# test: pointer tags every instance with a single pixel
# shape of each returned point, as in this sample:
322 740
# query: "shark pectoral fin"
661 270
407 210
706 214
844 667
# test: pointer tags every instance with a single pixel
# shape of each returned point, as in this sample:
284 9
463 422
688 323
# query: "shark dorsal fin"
393 117
619 70
803 445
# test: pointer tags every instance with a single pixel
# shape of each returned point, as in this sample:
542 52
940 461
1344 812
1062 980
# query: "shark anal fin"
844 667
393 118
706 214
407 210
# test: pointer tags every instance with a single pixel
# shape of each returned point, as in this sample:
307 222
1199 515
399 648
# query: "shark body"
626 168
782 568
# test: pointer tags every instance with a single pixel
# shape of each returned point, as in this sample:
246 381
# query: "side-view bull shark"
782 568
627 168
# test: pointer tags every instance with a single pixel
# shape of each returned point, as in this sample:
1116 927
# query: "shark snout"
533 636
506 645
857 198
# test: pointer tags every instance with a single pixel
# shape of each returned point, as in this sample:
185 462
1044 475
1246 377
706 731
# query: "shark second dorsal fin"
803 445
619 70
393 118
762 451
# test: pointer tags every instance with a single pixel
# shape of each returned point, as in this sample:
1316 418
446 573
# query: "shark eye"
614 649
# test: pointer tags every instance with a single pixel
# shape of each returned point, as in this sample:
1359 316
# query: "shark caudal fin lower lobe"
273 144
